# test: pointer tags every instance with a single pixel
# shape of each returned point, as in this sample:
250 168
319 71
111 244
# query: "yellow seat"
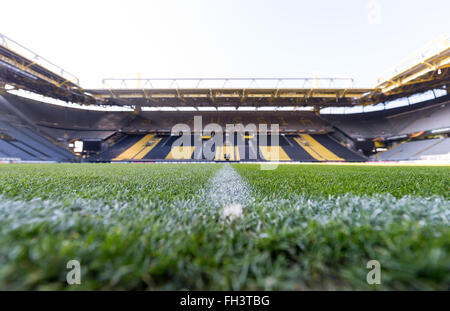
139 149
274 153
180 153
315 149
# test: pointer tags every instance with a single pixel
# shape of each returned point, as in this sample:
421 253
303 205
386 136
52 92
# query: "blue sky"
247 38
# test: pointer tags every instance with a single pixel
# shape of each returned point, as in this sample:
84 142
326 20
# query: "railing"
432 48
228 83
35 58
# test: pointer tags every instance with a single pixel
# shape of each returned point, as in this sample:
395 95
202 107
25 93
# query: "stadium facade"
45 115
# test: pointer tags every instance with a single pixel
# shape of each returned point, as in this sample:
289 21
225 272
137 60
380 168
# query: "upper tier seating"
66 123
392 122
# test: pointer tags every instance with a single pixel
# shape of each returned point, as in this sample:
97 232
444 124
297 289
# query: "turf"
161 226
335 180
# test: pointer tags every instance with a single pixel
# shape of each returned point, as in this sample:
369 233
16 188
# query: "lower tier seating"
18 141
303 147
416 150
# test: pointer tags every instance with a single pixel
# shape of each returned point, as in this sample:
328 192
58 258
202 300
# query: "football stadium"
235 183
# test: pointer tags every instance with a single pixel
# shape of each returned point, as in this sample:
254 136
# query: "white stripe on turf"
379 210
228 192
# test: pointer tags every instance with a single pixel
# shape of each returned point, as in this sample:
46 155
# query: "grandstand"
426 116
19 139
47 116
416 150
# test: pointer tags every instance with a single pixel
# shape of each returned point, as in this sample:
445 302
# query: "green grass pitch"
163 226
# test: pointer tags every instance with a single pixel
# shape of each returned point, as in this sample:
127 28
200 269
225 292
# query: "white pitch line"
228 192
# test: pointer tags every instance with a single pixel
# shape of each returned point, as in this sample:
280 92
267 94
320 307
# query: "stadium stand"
20 140
160 147
119 147
71 121
424 116
294 150
407 151
416 150
139 149
338 149
67 124
30 146
440 149
162 150
428 118
316 149
126 136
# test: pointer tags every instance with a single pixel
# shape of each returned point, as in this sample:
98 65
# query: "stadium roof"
428 68
231 92
424 70
27 70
